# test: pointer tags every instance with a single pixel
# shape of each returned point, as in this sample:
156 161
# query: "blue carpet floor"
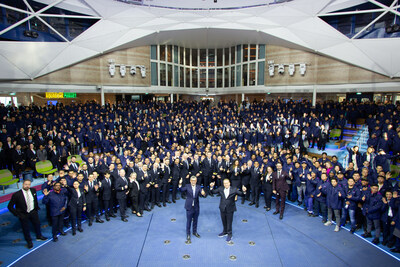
158 239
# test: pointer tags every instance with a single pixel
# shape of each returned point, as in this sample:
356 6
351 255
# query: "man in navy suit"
227 205
192 205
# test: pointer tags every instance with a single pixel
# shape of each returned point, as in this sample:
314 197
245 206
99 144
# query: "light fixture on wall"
111 67
271 68
291 69
303 68
281 68
133 70
122 70
143 71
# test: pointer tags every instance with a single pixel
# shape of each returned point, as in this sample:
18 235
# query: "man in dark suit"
192 205
92 199
24 205
19 160
165 181
227 205
121 186
280 188
255 183
74 165
208 169
106 196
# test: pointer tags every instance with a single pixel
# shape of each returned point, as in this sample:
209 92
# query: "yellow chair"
78 159
335 133
45 167
6 178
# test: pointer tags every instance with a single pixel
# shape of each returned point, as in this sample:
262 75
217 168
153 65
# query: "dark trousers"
92 210
206 183
388 231
267 188
227 218
32 217
165 192
246 195
155 195
280 202
58 224
320 208
255 193
122 207
108 211
236 183
143 201
75 214
192 215
174 189
135 202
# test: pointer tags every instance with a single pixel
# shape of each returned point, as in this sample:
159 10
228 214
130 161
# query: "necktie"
279 174
28 200
109 182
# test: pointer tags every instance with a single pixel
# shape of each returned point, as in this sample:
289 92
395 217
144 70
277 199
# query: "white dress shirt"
226 192
30 204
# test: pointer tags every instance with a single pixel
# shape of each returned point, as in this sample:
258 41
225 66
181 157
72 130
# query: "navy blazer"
106 189
227 204
190 198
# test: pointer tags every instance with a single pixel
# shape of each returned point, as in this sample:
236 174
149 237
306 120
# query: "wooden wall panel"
94 71
323 70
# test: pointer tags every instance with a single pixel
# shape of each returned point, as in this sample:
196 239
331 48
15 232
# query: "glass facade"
236 66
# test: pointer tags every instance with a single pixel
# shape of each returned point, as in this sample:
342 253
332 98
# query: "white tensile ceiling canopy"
295 24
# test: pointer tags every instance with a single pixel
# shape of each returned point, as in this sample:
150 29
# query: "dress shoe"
243 201
352 230
138 214
395 250
390 244
177 198
276 212
196 235
366 235
228 238
55 238
113 216
99 221
147 209
73 232
152 207
30 245
222 234
314 215
268 209
158 205
90 223
188 239
126 216
124 220
375 241
251 203
80 229
169 202
164 204
41 238
107 219
183 197
257 205
265 207
63 233
173 201
281 217
384 242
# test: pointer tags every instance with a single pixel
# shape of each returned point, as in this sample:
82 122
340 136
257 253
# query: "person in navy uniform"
192 206
92 189
372 211
76 205
121 186
107 188
57 200
227 205
24 205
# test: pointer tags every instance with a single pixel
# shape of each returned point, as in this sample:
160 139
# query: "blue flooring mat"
297 240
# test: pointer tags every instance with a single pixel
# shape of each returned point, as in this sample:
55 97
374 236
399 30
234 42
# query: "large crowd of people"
135 156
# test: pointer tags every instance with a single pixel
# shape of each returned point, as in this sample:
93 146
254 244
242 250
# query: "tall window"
236 66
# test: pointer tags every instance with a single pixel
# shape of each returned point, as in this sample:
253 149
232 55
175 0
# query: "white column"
242 97
394 98
177 97
314 96
172 98
103 101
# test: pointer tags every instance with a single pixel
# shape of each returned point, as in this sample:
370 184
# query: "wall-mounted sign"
60 95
